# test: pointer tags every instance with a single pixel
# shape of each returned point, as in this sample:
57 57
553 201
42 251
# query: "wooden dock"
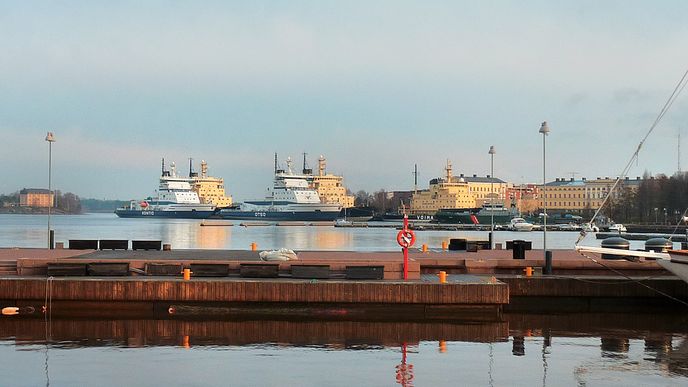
326 284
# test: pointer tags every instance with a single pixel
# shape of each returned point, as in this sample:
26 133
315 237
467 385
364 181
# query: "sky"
374 86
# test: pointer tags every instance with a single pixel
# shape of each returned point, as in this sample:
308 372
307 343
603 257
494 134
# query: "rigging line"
670 101
683 216
607 282
639 282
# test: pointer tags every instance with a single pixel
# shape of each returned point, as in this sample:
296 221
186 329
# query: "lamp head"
492 150
50 137
544 129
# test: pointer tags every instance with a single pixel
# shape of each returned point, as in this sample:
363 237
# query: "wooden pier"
325 284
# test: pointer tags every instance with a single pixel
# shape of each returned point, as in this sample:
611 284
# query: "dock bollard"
166 247
444 245
187 274
424 248
254 246
443 277
548 262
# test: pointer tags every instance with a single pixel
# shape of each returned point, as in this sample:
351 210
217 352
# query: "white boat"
520 224
588 227
175 199
291 199
677 263
617 227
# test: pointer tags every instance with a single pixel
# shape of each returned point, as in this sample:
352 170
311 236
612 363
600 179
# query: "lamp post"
544 129
50 138
491 152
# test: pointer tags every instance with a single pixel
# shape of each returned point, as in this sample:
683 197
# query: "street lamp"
491 152
50 138
544 129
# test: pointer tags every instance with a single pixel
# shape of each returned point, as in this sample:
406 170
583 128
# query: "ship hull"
192 214
322 216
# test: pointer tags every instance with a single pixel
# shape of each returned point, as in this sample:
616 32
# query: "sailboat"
675 261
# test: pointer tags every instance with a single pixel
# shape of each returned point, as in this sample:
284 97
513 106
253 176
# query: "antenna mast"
679 150
415 178
275 163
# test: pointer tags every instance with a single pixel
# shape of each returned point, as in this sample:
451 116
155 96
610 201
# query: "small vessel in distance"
175 199
520 224
483 215
291 199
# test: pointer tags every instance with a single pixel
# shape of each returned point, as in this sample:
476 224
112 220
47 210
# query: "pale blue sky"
374 86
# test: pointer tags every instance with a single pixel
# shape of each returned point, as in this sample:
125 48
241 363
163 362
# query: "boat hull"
280 215
191 214
449 217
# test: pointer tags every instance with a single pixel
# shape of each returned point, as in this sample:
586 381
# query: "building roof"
470 179
581 183
34 191
566 183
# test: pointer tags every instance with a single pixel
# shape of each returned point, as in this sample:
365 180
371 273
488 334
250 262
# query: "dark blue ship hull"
305 216
193 214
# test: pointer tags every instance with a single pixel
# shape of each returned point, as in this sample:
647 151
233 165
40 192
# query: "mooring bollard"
187 274
166 247
443 277
424 248
548 262
444 245
254 246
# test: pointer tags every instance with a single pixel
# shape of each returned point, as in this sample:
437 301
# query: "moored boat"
520 224
175 199
291 198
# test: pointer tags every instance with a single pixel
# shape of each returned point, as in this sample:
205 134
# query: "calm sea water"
31 231
521 351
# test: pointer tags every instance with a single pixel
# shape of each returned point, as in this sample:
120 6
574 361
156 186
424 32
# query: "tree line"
659 199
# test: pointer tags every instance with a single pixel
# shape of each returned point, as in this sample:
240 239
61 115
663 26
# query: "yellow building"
330 187
578 195
36 197
458 192
210 190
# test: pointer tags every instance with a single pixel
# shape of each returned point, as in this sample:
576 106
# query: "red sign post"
406 238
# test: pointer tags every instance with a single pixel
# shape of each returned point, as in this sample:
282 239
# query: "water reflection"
349 335
523 349
213 237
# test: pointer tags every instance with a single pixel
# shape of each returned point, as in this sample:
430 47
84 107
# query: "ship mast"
415 178
306 170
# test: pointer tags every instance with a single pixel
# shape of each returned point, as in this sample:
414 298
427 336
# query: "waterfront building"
36 197
571 195
524 197
458 192
329 187
210 190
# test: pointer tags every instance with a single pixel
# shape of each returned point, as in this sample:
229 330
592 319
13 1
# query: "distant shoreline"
35 211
